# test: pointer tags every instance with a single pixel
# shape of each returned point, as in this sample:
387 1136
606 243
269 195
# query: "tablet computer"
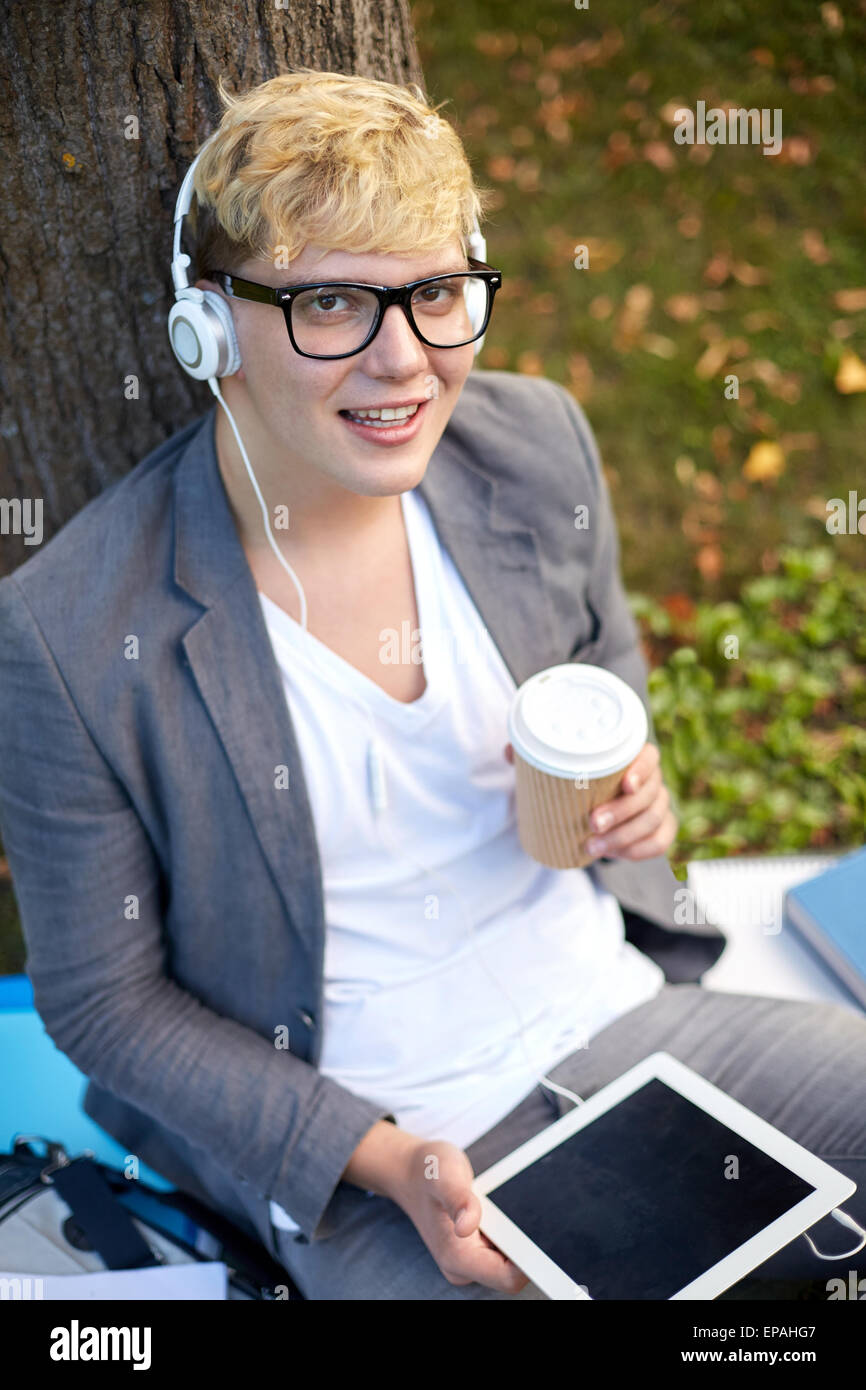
660 1186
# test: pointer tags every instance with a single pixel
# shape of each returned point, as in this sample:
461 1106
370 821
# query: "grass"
566 115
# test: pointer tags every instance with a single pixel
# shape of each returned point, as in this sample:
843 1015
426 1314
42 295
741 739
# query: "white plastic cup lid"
577 720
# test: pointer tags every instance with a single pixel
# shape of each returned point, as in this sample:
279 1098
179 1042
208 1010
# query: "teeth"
398 412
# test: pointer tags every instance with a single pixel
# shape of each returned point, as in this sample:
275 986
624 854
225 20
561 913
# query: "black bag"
94 1217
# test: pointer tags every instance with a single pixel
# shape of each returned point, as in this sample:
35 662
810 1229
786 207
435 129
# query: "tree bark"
104 104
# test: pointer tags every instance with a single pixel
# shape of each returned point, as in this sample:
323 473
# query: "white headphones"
200 325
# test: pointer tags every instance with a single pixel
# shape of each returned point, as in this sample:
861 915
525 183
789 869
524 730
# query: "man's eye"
436 295
328 301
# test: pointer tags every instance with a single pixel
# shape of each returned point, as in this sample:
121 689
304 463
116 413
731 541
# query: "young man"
274 900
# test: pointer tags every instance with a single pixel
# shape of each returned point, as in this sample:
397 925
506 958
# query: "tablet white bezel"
831 1187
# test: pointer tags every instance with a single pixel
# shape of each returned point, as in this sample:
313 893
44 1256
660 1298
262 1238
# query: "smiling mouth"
384 417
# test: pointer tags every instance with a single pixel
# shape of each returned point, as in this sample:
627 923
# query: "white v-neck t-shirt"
443 936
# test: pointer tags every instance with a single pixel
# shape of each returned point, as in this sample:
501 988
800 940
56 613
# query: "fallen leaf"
547 83
501 167
718 269
682 307
746 274
495 45
632 316
526 175
812 243
638 299
658 345
851 374
530 363
798 150
660 155
679 606
811 86
832 18
707 485
561 56
710 562
759 421
711 359
766 460
580 376
816 507
851 301
689 226
601 307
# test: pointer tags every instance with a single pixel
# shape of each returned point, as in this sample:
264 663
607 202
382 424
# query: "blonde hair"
323 158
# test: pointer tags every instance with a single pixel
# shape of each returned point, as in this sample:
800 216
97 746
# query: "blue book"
829 912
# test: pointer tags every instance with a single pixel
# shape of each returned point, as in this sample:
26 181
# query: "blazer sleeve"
89 892
647 886
618 647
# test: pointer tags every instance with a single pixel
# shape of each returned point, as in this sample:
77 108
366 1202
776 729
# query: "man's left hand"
639 822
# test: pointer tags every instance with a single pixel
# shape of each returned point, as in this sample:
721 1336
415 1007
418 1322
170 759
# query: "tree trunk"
105 104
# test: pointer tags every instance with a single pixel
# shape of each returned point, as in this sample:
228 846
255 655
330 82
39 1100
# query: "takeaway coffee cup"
574 730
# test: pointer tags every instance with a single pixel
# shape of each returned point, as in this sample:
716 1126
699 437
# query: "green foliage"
764 748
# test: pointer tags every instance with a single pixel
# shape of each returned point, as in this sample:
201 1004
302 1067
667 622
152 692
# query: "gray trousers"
801 1066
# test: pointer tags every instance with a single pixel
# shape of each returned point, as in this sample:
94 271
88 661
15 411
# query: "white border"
832 1187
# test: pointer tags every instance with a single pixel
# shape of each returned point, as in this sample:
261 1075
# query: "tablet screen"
648 1196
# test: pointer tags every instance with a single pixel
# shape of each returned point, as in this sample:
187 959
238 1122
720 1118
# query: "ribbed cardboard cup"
574 730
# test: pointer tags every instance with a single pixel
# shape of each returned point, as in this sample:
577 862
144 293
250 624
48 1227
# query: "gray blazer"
170 893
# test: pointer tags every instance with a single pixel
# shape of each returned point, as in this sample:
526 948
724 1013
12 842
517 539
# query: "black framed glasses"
337 318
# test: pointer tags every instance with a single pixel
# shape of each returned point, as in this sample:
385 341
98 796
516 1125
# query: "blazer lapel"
498 560
231 658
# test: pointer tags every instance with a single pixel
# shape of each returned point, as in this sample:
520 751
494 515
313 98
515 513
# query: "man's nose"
395 350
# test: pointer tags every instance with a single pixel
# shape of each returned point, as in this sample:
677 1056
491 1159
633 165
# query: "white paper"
198 1280
744 897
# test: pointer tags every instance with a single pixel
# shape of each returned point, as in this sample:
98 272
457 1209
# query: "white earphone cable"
376 773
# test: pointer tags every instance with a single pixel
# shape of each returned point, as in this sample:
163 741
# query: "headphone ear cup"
476 304
476 307
230 352
202 334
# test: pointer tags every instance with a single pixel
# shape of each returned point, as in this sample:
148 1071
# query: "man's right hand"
431 1180
446 1213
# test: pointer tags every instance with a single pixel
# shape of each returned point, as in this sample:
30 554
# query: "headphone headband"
200 324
